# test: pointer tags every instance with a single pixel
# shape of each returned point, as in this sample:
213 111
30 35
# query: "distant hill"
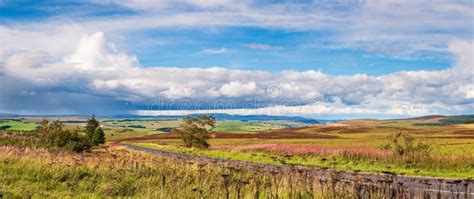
7 115
266 118
459 119
446 120
428 117
240 117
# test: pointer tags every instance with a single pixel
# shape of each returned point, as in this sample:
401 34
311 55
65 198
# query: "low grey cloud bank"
98 70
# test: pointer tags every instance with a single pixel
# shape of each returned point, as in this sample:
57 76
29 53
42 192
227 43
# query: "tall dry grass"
433 161
119 172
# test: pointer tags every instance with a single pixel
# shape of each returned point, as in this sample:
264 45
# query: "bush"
49 135
404 145
52 135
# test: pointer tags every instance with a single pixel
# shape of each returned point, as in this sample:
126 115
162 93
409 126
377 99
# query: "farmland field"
240 126
18 125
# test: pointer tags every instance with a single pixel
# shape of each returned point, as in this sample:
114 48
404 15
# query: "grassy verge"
448 167
113 172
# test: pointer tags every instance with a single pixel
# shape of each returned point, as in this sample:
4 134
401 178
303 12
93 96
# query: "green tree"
193 130
94 132
98 137
92 125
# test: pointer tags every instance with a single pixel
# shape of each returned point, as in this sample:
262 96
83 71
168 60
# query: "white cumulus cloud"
97 67
237 89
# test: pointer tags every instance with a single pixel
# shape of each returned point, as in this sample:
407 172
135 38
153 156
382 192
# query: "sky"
319 59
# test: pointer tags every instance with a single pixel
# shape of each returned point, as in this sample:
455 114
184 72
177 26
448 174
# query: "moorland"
432 146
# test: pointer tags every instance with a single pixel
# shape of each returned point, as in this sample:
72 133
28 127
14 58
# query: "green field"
18 125
245 127
127 128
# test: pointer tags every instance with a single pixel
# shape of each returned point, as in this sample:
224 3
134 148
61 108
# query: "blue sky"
297 50
326 59
228 46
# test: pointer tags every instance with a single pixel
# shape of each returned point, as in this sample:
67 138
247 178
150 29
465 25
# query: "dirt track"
394 186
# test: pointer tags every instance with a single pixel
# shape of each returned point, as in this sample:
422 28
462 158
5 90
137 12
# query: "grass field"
18 125
353 145
242 127
127 128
